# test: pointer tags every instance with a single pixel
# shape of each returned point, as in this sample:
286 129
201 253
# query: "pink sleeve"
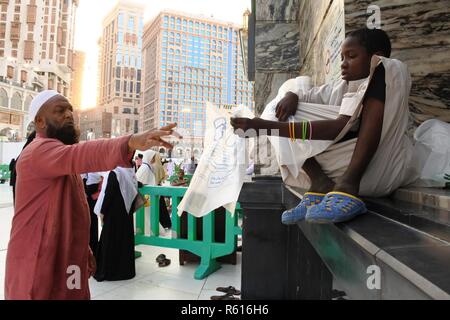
52 158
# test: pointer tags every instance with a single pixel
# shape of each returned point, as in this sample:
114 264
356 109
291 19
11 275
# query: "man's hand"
151 138
287 106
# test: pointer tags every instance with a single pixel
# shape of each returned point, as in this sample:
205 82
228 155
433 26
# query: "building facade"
36 53
76 87
95 123
189 60
120 66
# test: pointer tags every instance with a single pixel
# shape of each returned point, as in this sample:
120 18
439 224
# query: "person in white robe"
152 173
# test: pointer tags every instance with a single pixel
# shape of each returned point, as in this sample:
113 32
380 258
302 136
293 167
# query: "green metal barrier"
5 174
188 177
207 249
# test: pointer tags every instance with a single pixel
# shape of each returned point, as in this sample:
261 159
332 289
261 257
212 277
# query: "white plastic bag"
432 153
220 174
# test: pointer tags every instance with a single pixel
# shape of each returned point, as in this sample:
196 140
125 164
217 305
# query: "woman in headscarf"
92 187
152 173
115 252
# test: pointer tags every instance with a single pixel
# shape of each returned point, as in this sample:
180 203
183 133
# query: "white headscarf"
145 175
128 188
94 178
39 101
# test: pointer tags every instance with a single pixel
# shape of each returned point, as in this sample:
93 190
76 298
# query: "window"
16 101
29 50
131 24
3 98
120 20
10 72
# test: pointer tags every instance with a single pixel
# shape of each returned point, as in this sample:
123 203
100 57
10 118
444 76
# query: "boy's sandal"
164 263
229 290
298 213
336 207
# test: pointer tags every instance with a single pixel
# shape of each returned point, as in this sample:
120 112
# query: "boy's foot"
298 213
336 207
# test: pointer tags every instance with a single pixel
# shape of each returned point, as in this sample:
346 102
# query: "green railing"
5 174
186 176
207 248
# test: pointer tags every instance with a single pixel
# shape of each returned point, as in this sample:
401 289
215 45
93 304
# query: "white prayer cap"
39 101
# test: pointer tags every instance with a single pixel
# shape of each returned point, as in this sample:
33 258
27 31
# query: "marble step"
431 220
432 197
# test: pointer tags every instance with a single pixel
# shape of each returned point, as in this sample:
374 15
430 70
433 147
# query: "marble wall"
321 34
277 46
420 34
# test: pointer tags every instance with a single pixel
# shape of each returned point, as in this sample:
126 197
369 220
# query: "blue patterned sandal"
298 213
336 207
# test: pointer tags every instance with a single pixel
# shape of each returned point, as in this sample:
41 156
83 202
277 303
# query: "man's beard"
67 134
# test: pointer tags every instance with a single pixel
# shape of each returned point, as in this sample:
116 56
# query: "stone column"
277 49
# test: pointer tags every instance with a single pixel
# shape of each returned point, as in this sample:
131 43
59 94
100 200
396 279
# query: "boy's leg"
320 182
366 146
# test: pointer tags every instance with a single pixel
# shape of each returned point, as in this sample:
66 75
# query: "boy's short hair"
374 40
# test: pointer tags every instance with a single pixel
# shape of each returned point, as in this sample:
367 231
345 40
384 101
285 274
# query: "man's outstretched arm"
52 158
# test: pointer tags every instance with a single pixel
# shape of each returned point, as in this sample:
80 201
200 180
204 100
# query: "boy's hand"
287 106
247 127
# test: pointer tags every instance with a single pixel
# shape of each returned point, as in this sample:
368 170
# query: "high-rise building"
95 124
76 87
36 49
187 61
120 66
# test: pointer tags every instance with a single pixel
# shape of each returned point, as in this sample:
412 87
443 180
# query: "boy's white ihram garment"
390 167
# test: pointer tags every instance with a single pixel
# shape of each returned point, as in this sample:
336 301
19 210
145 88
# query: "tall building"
36 48
76 86
95 124
120 66
189 60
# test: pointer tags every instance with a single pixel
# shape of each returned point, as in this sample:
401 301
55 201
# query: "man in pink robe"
48 253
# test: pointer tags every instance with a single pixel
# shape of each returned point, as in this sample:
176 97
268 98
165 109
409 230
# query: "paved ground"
173 282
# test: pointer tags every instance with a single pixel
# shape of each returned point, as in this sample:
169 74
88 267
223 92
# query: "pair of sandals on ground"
230 293
162 260
322 208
